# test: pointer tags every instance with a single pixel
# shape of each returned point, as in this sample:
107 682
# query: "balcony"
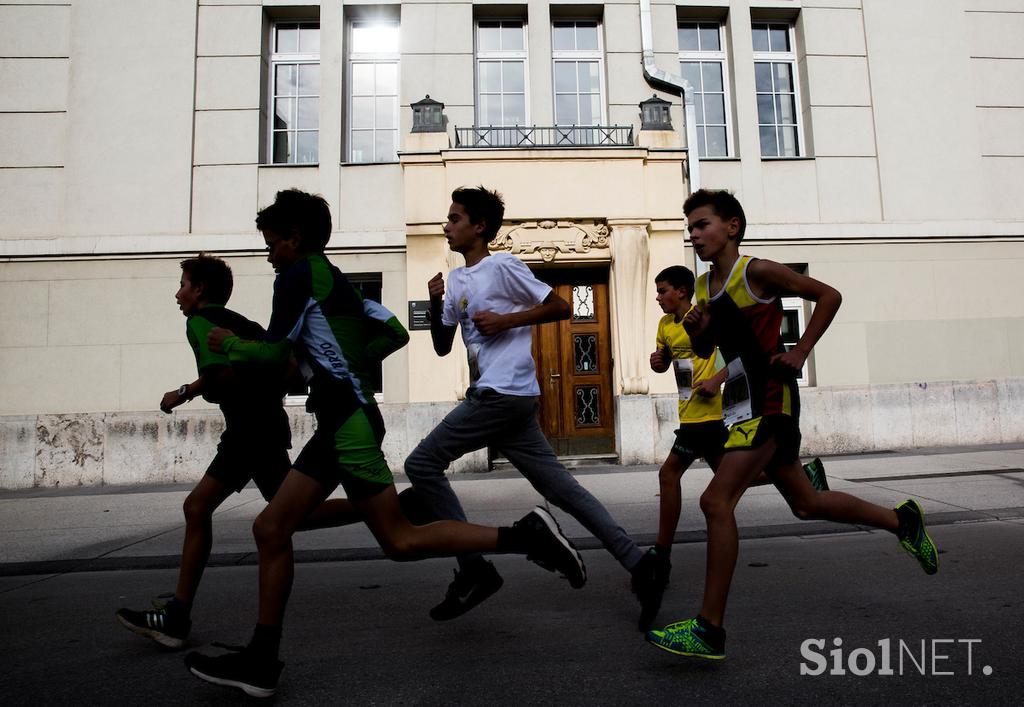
531 136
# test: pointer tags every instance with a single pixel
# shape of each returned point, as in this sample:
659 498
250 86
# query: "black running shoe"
165 627
254 676
650 578
549 548
472 585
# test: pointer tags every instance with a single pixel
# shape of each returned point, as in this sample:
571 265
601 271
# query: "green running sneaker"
914 538
815 471
687 638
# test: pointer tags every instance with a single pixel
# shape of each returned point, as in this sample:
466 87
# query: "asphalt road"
358 631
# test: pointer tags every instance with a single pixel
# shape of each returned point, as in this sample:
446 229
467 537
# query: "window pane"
588 76
691 72
563 36
309 40
586 36
362 112
787 142
778 38
584 348
765 108
488 37
490 76
763 77
309 113
512 37
590 110
490 110
287 41
718 145
783 77
284 81
307 146
283 146
362 79
387 112
512 77
515 109
714 108
309 79
769 144
385 146
701 132
698 107
284 113
565 110
785 109
375 38
712 72
709 40
688 38
760 33
387 79
362 146
565 76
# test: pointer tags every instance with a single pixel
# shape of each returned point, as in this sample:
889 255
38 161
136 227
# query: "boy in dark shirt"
254 444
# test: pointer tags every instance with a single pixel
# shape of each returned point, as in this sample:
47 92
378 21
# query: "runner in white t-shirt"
495 299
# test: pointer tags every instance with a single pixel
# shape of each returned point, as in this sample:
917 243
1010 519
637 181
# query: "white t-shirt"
500 283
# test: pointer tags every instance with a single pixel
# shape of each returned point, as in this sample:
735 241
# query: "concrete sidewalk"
47 531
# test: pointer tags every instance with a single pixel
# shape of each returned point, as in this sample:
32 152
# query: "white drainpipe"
673 84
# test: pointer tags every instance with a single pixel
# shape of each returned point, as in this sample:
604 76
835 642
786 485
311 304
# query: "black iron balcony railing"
525 136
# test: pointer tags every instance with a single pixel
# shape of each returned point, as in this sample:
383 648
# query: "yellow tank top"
689 370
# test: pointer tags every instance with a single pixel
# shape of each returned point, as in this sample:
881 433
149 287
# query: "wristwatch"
183 391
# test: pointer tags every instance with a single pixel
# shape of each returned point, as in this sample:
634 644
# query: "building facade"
877 146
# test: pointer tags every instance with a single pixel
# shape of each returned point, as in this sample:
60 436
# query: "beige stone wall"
129 140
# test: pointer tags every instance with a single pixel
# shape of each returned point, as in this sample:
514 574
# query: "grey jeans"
509 424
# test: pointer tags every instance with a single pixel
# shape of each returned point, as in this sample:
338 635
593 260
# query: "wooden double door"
574 365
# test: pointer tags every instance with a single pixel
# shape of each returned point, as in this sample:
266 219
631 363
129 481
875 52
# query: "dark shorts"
346 450
784 429
238 461
700 439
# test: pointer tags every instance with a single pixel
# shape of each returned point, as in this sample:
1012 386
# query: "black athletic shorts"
784 429
346 450
700 439
239 459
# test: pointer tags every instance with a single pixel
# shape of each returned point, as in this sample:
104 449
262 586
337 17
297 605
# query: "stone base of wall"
91 449
150 447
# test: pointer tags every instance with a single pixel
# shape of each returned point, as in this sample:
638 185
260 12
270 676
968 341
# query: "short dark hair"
679 276
213 274
724 204
482 204
295 211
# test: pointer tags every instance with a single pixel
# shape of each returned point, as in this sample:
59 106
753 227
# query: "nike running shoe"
687 638
472 585
914 537
549 548
241 669
166 628
815 471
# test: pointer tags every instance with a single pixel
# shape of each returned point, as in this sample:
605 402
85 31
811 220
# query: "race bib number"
683 368
736 395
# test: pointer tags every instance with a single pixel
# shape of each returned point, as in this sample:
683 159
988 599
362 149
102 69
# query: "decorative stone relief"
630 255
547 240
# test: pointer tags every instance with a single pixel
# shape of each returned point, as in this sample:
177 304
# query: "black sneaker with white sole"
165 627
548 547
472 585
255 676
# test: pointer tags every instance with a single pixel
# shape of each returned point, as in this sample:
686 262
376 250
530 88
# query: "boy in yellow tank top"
739 310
